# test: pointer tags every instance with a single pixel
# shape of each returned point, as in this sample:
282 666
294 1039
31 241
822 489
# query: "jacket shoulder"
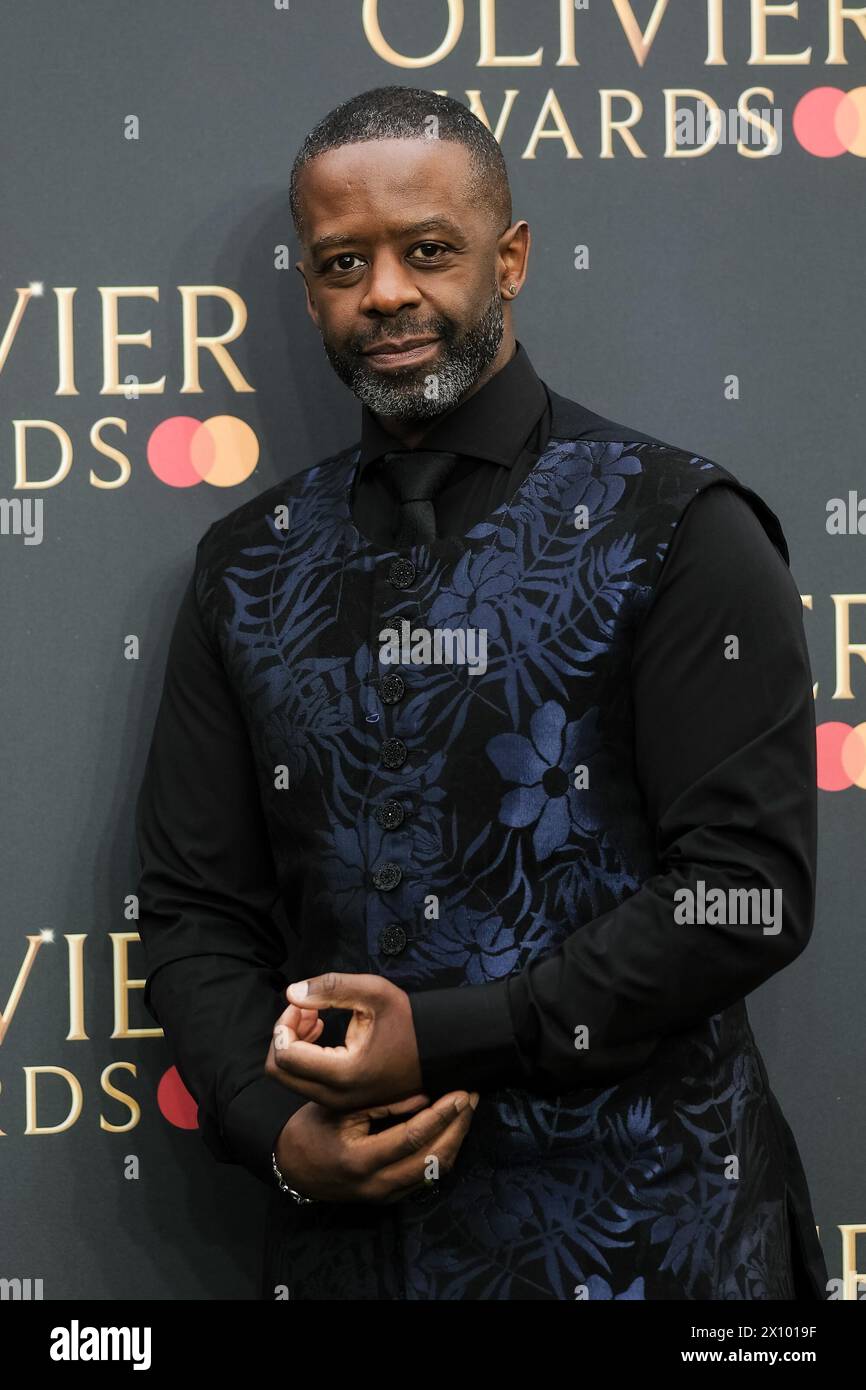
671 464
571 420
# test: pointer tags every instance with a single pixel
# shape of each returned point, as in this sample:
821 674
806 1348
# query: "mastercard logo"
222 451
841 756
829 122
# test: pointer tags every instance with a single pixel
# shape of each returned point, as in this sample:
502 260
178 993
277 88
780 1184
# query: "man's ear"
311 310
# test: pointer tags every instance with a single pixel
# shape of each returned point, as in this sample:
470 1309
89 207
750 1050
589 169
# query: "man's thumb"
331 990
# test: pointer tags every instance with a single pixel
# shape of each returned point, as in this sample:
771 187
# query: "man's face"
395 249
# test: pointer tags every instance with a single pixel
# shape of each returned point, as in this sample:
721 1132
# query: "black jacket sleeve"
206 891
725 757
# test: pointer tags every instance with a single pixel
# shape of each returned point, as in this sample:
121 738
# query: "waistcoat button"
394 752
391 688
401 572
387 876
392 940
389 814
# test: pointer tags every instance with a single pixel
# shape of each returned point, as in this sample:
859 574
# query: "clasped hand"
379 1060
326 1148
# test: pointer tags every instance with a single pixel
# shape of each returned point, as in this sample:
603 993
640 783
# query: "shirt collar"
494 423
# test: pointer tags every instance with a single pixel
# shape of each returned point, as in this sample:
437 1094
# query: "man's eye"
338 262
346 256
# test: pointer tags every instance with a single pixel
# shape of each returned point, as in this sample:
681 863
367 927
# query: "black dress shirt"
498 434
707 731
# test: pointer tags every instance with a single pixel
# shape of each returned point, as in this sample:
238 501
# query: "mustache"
409 330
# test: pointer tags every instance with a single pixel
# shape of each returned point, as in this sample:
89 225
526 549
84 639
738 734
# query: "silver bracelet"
284 1186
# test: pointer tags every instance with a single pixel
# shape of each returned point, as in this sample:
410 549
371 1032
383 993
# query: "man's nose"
390 286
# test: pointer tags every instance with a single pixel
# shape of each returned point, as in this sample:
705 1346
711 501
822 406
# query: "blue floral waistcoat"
613 1193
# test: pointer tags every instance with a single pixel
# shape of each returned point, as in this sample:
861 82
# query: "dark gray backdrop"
699 268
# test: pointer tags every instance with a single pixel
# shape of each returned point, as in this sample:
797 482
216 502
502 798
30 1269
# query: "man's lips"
394 354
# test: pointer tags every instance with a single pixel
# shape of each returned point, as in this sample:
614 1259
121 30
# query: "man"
492 736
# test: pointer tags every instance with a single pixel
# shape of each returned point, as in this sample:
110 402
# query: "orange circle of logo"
829 122
222 451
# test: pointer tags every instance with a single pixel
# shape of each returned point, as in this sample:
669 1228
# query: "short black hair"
399 113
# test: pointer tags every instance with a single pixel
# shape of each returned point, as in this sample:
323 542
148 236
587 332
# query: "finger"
285 1032
309 1032
437 1157
327 1070
318 1070
306 1024
356 1123
296 1024
294 1016
309 1025
300 1009
288 1027
397 1107
416 1134
338 991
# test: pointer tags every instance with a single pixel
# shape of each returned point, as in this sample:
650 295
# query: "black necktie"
415 476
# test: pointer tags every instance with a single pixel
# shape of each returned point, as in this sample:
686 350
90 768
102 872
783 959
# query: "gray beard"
421 393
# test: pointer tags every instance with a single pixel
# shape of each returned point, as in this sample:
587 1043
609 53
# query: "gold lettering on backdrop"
8 1013
754 118
840 16
672 149
845 648
476 106
839 13
762 10
122 985
192 339
715 35
112 339
379 44
567 56
75 950
488 57
77 1102
130 1102
640 40
622 125
552 107
20 428
65 342
101 447
23 298
850 1277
